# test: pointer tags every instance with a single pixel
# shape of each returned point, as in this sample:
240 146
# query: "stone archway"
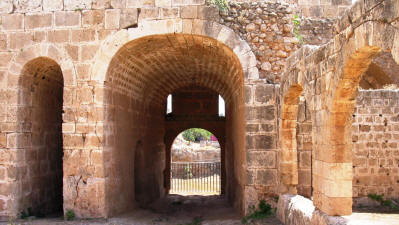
41 102
135 69
38 78
332 74
336 199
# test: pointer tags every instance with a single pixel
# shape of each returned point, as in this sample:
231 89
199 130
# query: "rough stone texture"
120 59
330 77
267 28
297 210
375 143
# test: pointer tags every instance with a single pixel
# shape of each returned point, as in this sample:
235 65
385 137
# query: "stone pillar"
288 154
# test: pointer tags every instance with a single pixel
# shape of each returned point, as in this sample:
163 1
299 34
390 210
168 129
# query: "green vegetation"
70 214
380 199
296 21
196 134
264 211
221 4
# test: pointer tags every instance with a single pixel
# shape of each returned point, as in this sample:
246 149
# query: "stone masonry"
83 88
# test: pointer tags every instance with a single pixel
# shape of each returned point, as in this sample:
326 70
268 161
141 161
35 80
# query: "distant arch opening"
195 163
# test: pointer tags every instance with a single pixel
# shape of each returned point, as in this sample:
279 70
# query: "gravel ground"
173 210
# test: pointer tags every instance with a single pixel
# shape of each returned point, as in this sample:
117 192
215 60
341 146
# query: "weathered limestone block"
25 6
128 18
298 210
53 5
77 4
6 6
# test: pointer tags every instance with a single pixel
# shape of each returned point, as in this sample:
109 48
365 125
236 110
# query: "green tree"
196 134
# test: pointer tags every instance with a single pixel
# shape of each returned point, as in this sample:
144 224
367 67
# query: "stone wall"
268 29
261 142
120 60
375 137
322 8
304 148
330 75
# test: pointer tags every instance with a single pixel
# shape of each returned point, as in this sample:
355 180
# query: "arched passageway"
40 114
139 78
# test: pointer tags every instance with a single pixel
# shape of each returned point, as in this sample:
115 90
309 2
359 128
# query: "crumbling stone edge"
298 210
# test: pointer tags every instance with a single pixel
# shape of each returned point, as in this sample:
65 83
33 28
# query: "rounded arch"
50 51
338 160
218 32
213 158
137 68
214 131
39 112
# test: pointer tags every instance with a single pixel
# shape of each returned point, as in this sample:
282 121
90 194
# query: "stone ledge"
298 210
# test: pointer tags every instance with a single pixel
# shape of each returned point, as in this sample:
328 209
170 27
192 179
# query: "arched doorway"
40 112
195 163
139 78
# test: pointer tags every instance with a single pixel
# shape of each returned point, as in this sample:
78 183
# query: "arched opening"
40 113
374 135
335 163
139 78
196 163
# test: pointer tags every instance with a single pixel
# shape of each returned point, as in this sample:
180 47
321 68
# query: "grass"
70 215
264 211
382 201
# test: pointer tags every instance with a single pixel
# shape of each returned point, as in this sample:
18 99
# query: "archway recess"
41 86
139 78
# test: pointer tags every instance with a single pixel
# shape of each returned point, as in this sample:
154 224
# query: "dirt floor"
173 210
373 215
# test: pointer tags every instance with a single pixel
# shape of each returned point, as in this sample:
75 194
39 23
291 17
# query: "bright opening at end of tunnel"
169 104
222 110
195 163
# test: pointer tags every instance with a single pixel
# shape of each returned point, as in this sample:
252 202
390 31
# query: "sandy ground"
197 186
374 215
173 210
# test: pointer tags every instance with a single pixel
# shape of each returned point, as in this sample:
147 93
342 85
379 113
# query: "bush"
196 134
70 214
264 211
221 4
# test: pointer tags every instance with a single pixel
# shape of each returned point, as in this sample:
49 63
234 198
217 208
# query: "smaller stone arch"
39 112
288 165
37 70
57 54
